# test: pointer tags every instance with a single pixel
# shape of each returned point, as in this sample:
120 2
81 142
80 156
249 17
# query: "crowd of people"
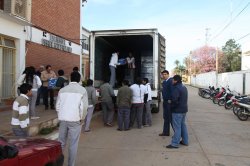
75 105
42 86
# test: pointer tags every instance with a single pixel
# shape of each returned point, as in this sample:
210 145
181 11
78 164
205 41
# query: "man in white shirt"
138 93
147 118
71 107
112 66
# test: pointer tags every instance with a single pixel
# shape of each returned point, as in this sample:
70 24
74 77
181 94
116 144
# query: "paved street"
217 138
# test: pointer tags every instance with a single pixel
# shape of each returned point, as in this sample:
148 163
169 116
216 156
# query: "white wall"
233 79
36 35
16 31
245 62
206 79
247 83
245 59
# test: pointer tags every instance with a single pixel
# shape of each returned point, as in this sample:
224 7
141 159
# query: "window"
85 42
1 5
7 67
9 43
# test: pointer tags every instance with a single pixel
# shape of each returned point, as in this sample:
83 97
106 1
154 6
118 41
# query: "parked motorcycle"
227 96
236 106
243 111
206 93
219 95
230 103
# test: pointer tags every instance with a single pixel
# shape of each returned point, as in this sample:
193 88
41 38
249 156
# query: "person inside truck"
112 66
131 67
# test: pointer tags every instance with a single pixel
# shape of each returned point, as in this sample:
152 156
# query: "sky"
183 23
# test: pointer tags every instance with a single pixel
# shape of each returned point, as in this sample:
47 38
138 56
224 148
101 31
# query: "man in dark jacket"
179 108
166 93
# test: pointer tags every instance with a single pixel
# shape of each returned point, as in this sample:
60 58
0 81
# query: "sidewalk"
47 118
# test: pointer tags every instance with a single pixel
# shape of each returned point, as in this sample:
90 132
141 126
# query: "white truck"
146 45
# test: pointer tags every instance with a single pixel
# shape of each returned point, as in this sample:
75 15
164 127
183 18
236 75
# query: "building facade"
14 19
245 59
85 53
34 33
54 37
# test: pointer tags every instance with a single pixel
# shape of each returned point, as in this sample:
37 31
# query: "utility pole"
207 35
217 65
217 60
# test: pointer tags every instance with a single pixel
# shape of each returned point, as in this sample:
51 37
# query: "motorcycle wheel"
241 115
221 102
228 106
235 110
206 95
215 100
200 92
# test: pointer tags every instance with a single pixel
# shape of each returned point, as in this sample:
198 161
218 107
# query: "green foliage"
47 130
179 69
232 52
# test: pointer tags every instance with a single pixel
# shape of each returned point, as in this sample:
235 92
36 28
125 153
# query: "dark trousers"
167 116
19 132
123 118
46 94
136 113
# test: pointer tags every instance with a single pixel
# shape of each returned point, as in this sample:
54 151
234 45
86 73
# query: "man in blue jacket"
179 108
166 93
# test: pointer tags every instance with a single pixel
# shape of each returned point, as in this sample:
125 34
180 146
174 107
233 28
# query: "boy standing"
20 114
124 97
71 107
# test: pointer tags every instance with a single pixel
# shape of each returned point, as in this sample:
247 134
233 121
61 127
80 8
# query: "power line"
243 37
218 34
229 17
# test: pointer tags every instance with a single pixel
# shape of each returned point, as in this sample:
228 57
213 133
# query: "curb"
54 135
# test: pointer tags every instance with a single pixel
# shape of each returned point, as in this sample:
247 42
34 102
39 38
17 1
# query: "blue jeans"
123 118
19 132
180 129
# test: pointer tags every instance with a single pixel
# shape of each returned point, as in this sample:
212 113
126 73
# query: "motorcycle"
228 94
236 106
206 93
219 95
230 103
243 111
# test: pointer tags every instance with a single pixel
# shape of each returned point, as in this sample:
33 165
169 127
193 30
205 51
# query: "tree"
222 62
232 52
179 69
176 62
203 59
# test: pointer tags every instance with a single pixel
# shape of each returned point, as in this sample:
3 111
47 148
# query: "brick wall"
40 55
61 17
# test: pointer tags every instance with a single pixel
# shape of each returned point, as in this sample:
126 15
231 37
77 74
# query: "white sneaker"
34 117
